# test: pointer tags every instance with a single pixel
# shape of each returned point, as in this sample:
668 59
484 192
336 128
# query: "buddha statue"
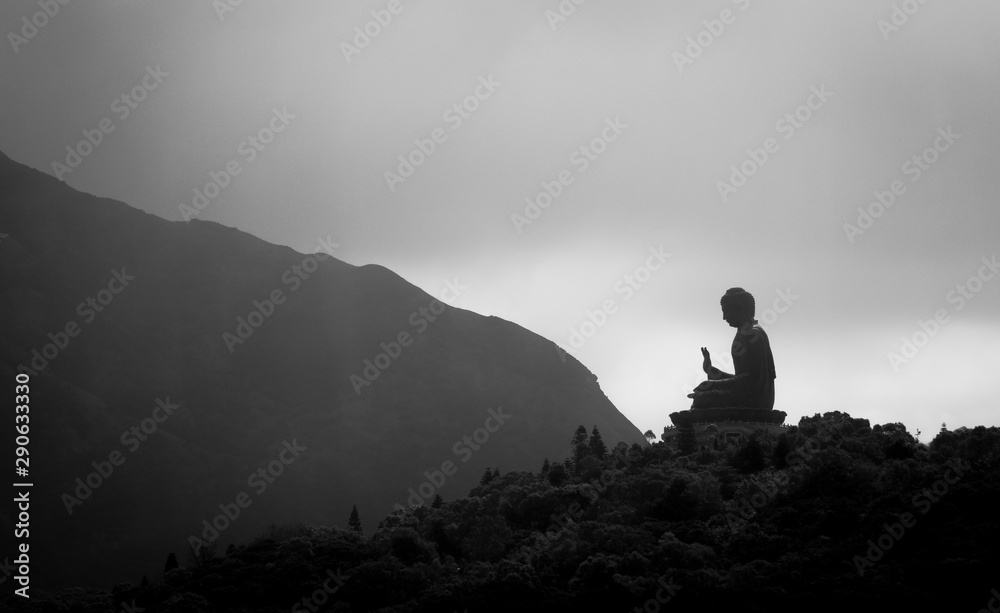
752 384
747 395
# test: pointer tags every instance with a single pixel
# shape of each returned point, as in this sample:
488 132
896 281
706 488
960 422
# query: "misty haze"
395 306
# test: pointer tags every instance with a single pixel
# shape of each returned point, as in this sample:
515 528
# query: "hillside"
223 350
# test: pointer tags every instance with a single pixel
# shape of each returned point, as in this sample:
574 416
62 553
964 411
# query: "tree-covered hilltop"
831 514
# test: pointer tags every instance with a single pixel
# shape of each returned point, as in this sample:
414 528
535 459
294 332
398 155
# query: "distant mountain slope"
163 294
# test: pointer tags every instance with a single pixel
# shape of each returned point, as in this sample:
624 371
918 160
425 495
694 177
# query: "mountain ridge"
161 336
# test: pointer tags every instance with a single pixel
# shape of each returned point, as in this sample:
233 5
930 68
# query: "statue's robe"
753 383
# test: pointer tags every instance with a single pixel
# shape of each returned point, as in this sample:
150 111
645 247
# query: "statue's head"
737 306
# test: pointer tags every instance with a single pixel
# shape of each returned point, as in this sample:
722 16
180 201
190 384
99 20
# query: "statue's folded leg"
712 399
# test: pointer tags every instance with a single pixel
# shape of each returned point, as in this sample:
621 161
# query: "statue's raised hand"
706 364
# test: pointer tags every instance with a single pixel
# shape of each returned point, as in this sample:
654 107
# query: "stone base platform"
731 414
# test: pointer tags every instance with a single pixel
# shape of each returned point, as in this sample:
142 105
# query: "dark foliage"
781 450
687 441
750 457
558 475
830 515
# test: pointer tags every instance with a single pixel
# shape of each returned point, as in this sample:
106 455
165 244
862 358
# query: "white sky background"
656 185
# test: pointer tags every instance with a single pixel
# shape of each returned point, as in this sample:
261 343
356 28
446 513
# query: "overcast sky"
643 126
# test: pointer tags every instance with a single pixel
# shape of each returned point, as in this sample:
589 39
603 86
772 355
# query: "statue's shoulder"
755 332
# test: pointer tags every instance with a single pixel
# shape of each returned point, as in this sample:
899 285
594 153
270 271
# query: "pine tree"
545 466
487 477
579 447
496 473
354 521
437 502
596 445
171 563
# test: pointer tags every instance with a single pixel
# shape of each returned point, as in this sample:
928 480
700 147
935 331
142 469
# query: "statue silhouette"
752 385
